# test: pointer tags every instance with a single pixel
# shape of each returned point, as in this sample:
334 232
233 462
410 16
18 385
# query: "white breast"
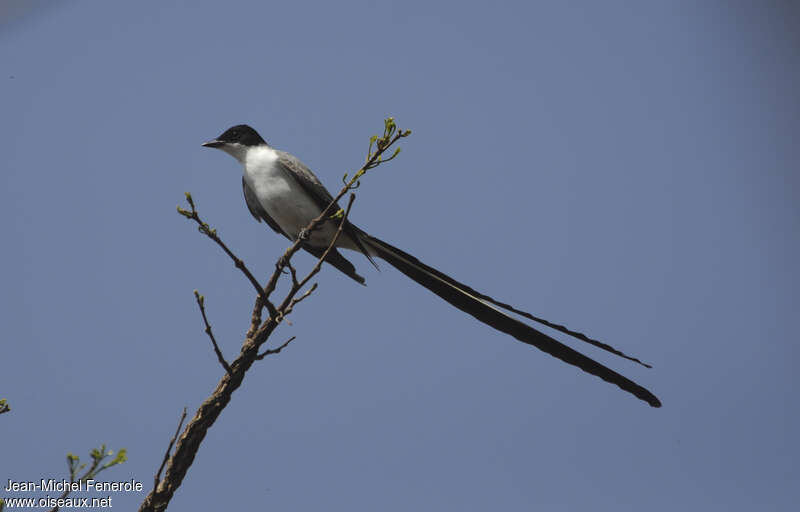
279 194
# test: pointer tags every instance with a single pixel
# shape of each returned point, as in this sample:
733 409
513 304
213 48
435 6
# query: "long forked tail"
488 311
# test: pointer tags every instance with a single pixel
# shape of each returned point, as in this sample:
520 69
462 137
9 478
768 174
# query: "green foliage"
100 462
102 459
378 144
4 407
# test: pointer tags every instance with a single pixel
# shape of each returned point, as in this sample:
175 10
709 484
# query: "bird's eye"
235 134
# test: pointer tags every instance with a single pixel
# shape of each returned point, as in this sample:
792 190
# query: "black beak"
213 144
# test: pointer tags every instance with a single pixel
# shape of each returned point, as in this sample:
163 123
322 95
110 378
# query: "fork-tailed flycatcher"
280 190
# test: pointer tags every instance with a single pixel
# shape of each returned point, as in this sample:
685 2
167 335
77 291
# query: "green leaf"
121 457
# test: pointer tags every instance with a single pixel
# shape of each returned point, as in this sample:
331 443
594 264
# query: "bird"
283 192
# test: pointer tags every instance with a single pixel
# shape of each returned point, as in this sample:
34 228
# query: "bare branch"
201 304
169 449
275 350
303 297
211 233
293 272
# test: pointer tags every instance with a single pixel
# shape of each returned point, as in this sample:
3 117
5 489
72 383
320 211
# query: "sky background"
629 169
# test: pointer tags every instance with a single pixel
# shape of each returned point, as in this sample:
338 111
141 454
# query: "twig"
318 265
201 304
293 272
285 312
90 471
169 449
275 350
211 233
303 297
98 456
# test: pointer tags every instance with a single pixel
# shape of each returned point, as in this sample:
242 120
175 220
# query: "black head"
239 134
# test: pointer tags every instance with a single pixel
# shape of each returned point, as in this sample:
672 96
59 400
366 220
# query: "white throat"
236 150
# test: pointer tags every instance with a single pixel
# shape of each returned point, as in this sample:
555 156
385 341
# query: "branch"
98 456
211 233
283 313
169 449
275 350
201 304
189 441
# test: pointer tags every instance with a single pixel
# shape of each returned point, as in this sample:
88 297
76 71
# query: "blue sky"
628 169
